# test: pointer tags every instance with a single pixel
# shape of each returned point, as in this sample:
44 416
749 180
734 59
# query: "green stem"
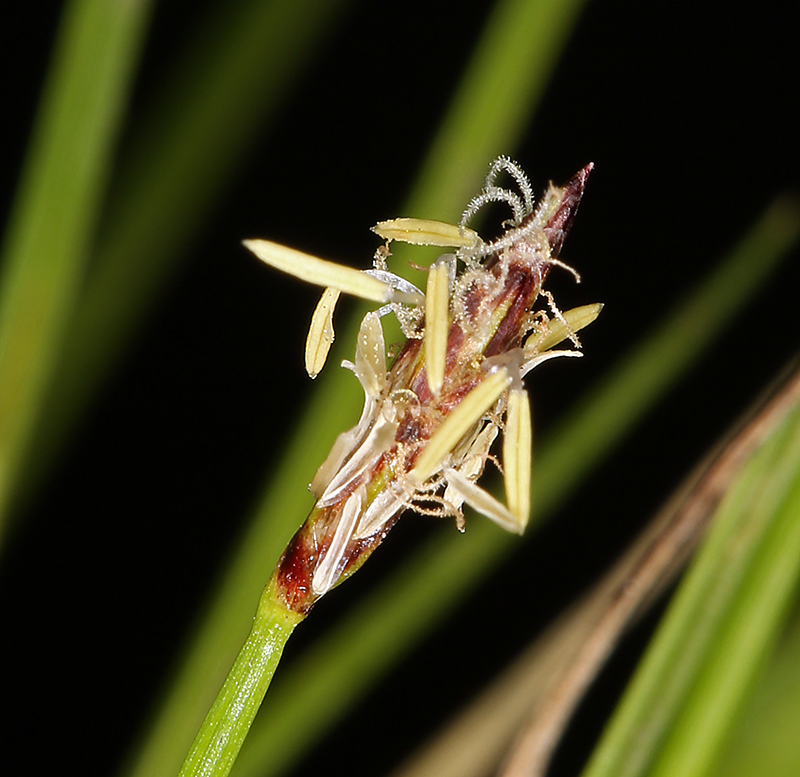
220 737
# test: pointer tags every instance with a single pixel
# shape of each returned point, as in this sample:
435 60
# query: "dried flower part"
428 424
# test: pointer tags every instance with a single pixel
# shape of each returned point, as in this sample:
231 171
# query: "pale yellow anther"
437 308
324 273
517 446
577 318
320 333
457 424
425 232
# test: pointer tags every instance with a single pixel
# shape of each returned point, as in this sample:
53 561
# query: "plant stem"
220 737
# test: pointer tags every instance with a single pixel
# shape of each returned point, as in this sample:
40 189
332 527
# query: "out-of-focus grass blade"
54 214
502 86
765 739
496 99
193 141
687 692
310 694
526 37
754 616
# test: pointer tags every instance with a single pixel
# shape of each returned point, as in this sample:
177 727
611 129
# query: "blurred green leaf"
495 102
689 687
53 218
765 739
181 160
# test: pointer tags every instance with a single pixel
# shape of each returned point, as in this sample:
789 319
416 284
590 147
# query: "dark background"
689 112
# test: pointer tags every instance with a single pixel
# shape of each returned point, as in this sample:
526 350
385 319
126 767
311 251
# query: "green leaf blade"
682 700
54 215
181 160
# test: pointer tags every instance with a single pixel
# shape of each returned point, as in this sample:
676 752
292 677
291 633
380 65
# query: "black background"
689 112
